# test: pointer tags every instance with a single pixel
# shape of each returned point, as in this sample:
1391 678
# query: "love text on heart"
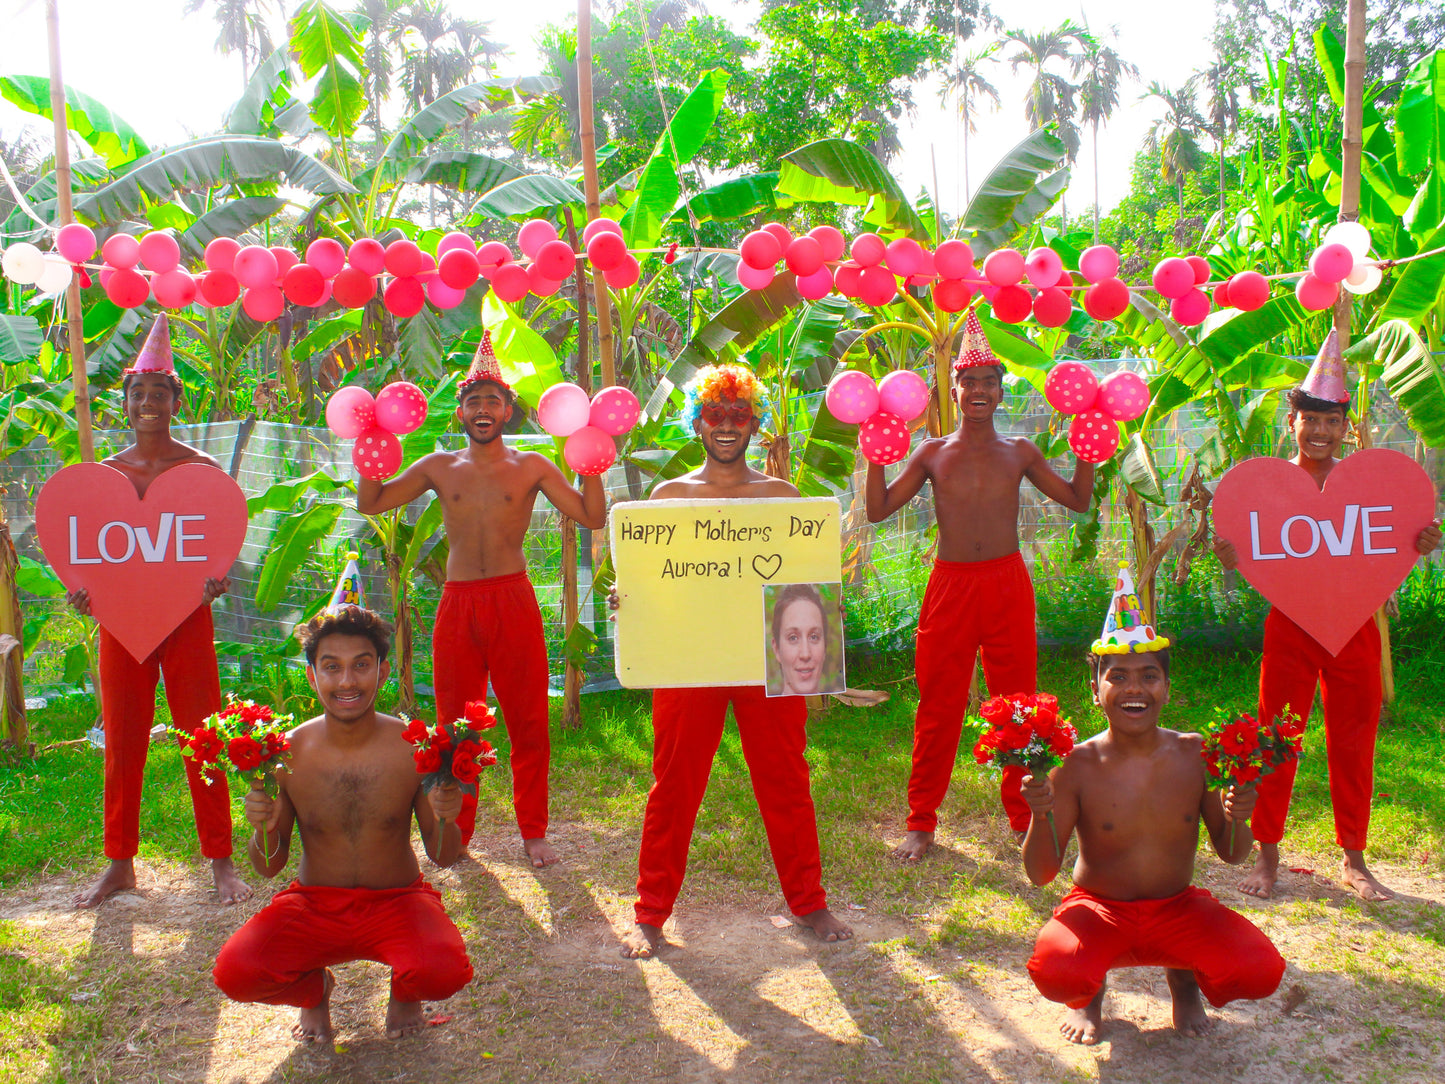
1301 536
116 541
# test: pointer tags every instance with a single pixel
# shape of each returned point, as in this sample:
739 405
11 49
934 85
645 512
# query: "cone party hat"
348 586
1126 627
484 366
155 355
1326 378
973 349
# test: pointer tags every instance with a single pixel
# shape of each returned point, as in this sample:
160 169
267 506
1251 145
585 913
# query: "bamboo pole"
588 124
78 376
571 551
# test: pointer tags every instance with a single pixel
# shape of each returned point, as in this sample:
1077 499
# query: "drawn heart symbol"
767 567
145 562
1327 558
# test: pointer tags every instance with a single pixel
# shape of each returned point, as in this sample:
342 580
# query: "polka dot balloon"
1071 387
350 412
883 438
852 397
1094 436
589 450
400 407
377 455
615 411
1123 395
903 392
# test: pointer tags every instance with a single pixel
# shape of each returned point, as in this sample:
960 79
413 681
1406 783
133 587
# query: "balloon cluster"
1097 405
375 424
881 410
588 425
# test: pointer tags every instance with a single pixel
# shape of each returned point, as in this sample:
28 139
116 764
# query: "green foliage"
115 141
328 48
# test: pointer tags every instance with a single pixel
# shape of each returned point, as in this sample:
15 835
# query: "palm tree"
1050 97
1103 70
1222 79
968 81
243 30
1173 135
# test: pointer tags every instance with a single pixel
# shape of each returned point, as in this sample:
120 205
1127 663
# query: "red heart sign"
1327 558
145 562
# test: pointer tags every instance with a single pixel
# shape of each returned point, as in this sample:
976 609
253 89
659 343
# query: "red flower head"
251 714
1047 707
488 756
246 752
205 746
996 710
478 715
1239 738
983 752
276 744
427 760
467 748
465 769
1061 741
441 739
415 732
1246 773
1014 736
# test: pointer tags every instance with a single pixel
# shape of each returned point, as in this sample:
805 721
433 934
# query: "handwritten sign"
145 562
690 578
1329 558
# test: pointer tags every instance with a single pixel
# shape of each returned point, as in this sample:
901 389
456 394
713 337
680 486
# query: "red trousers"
968 605
687 728
493 628
187 658
1089 936
1294 663
280 955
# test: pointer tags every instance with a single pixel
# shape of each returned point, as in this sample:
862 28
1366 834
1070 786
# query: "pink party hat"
974 349
484 367
1326 378
155 355
1126 627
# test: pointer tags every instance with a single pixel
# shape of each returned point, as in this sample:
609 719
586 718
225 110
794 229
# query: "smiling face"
725 426
484 412
1132 688
978 390
346 676
801 646
150 402
1318 433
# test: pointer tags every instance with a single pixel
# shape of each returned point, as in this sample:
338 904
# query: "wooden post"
590 189
78 377
571 602
14 728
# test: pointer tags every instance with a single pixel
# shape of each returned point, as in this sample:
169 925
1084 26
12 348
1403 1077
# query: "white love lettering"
138 538
1339 542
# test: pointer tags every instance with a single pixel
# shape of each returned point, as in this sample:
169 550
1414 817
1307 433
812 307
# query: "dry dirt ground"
937 994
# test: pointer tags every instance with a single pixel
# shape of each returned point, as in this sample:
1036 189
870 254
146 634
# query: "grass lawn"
934 988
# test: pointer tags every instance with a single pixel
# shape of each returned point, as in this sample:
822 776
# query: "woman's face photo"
801 646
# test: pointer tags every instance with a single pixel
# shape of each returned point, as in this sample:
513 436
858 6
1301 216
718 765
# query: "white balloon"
1352 235
1368 283
23 263
55 277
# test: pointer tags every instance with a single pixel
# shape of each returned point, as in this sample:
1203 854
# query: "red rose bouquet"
1238 751
1025 730
453 753
244 739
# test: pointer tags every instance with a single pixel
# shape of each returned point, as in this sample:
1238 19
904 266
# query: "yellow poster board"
690 578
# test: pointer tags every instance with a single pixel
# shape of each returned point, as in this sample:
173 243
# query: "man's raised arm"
1074 494
373 498
588 508
881 500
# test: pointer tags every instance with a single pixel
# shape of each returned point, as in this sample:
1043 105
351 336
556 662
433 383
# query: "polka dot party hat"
1126 626
484 367
973 349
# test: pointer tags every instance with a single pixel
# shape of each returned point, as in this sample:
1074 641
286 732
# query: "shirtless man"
979 593
1137 795
1294 664
187 657
352 788
488 623
687 724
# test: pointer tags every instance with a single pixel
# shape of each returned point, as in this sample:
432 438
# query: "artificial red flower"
1246 773
246 752
427 760
415 732
465 769
488 756
478 715
255 713
276 744
441 739
996 710
467 748
205 746
1240 738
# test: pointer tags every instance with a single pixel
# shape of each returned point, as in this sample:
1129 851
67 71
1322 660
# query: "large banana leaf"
104 132
20 338
538 192
461 170
1420 117
459 105
528 363
202 163
268 107
288 549
419 343
328 48
284 496
840 171
737 198
1412 374
828 457
1016 193
230 219
1418 286
441 406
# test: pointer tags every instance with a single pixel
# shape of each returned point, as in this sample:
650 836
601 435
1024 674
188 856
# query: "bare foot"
540 852
826 926
1261 879
229 886
118 876
914 846
1083 1025
640 942
403 1018
1190 1019
1358 877
313 1025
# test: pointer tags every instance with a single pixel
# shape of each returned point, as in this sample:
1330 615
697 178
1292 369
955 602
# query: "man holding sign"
688 722
1295 661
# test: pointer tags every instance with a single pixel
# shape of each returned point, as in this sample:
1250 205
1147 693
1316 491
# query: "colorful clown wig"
714 383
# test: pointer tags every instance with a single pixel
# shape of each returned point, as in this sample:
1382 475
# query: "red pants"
1089 936
187 658
280 955
1294 663
968 605
687 728
493 628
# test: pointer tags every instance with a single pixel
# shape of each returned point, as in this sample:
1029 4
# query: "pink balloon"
1106 299
160 252
1042 268
443 296
174 289
535 233
877 286
904 393
458 268
350 412
816 286
400 407
200 298
1248 290
327 256
303 285
606 250
832 241
848 279
1012 304
760 250
905 257
624 274
1123 395
455 241
510 282
1004 267
589 451
285 260
221 254
539 283
402 259
1093 435
128 288
600 225
1191 309
1098 263
852 396
754 278
804 257
1315 294
219 288
1173 277
780 233
614 411
377 455
884 438
556 260
1201 267
256 266
491 255
868 250
1052 307
263 303
951 295
1331 263
1071 387
404 297
121 251
563 409
953 259
76 243
367 255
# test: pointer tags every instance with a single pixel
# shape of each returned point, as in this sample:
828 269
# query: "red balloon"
816 286
128 288
263 303
402 259
533 234
1066 282
1332 262
951 295
953 259
831 240
1093 435
377 455
160 252
868 249
327 256
285 260
905 256
877 286
539 282
600 225
624 274
256 266
458 268
555 261
883 438
367 255
404 296
760 249
491 256
121 251
1221 295
221 254
1173 277
174 289
1106 299
1201 267
1315 294
510 283
780 234
1191 309
1248 290
1052 307
1012 304
353 287
848 279
1004 267
303 285
606 250
804 256
219 288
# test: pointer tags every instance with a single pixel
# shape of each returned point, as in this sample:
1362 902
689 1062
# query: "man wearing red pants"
488 623
979 594
1294 664
687 724
352 787
187 657
1137 795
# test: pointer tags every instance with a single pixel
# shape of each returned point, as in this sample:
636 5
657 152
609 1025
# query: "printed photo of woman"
804 628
